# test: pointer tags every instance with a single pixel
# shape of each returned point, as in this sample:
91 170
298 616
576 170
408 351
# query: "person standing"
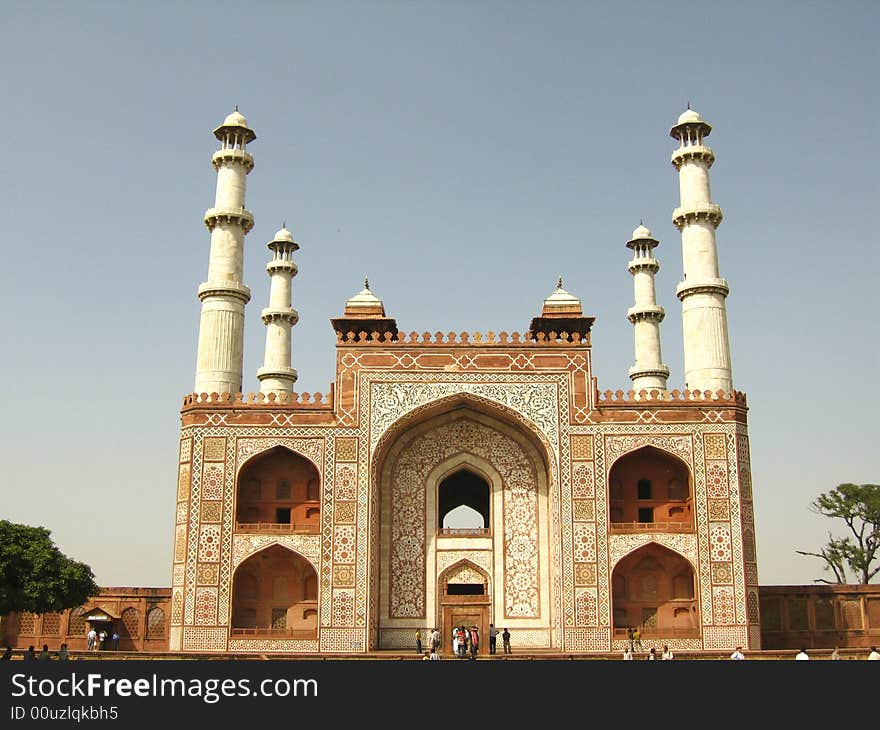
493 638
102 638
667 653
435 641
418 641
802 655
629 638
738 653
475 641
63 654
92 637
505 641
115 641
45 656
628 654
637 639
652 654
874 655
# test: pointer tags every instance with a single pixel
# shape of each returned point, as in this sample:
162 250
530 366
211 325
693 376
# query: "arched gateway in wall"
435 576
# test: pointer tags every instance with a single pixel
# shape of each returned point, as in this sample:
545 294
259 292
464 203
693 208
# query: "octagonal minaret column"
649 372
223 295
703 291
276 375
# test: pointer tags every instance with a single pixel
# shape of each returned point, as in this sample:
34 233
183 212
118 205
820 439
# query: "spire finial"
689 104
284 224
641 221
559 283
236 107
366 283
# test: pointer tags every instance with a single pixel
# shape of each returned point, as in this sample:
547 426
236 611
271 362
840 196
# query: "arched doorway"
275 594
464 601
463 456
463 500
653 588
650 491
278 491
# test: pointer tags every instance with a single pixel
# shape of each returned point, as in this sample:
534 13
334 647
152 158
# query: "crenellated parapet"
465 339
270 400
610 397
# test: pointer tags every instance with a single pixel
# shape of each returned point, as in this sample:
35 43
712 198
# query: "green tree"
858 505
36 576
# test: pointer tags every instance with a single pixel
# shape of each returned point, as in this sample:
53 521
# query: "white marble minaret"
223 295
276 375
649 372
703 291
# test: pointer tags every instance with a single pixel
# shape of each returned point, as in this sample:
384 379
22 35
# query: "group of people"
44 656
465 641
97 640
629 653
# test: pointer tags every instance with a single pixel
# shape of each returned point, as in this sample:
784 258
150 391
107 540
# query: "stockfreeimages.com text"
209 690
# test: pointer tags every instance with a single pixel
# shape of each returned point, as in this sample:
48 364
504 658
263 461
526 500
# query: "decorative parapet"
630 397
475 339
311 401
230 155
697 211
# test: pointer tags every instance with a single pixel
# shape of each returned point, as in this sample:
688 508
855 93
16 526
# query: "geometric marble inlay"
583 510
582 447
585 574
719 509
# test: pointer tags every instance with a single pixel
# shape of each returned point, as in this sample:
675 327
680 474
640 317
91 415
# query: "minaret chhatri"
223 295
276 375
703 291
649 372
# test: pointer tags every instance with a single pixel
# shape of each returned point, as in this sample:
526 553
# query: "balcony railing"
652 527
467 597
300 527
660 633
464 532
269 631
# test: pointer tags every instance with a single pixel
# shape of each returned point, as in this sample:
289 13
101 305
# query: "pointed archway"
275 594
486 463
463 591
654 589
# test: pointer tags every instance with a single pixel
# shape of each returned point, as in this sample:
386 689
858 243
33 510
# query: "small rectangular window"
282 515
644 489
646 514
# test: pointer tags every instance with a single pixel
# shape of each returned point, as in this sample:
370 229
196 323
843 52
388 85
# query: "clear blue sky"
463 155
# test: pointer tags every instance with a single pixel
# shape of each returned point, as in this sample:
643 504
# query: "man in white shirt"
874 655
738 654
802 655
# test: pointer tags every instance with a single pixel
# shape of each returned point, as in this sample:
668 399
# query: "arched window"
27 623
51 624
156 623
130 620
76 625
463 501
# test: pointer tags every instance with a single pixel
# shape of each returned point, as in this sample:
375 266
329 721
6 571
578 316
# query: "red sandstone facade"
812 616
315 523
138 615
